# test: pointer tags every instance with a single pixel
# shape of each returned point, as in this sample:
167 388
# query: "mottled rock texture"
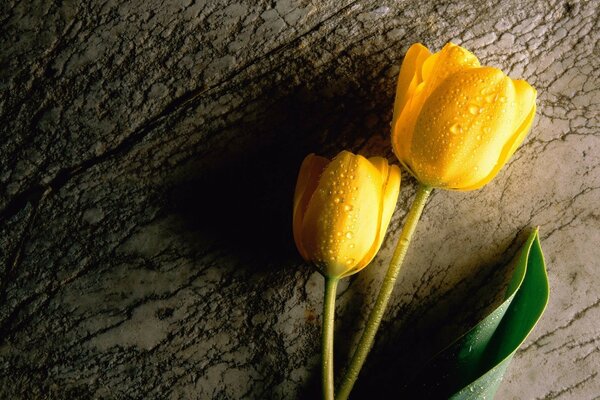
148 154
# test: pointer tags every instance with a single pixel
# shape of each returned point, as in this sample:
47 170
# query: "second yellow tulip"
342 209
455 122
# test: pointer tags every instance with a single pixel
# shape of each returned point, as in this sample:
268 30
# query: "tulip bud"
342 210
455 122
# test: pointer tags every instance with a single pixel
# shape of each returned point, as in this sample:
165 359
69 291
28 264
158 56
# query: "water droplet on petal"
347 207
473 109
337 200
350 261
349 235
456 128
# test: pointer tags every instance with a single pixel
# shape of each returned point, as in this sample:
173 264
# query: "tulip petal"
382 166
524 115
525 104
384 169
390 198
391 190
410 75
340 224
450 60
435 70
308 178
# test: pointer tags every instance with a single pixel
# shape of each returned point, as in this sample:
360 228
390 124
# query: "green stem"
327 337
366 340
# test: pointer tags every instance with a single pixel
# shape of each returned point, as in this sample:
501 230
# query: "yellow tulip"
455 122
342 209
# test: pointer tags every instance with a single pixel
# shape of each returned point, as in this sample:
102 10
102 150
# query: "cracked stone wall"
148 155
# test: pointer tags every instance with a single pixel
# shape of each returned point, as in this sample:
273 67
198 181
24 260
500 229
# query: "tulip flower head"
455 122
342 209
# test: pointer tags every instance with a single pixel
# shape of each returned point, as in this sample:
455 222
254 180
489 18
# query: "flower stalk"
327 337
368 335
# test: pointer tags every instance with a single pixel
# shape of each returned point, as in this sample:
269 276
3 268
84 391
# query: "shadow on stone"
243 201
238 199
245 207
242 198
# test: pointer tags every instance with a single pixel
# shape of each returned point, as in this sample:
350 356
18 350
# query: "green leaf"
472 366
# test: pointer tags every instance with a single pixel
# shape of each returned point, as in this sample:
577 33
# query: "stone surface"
148 154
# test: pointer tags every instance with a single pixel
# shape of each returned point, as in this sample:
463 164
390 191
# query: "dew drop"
491 98
349 235
473 109
456 128
350 261
337 200
351 245
486 130
347 207
502 99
